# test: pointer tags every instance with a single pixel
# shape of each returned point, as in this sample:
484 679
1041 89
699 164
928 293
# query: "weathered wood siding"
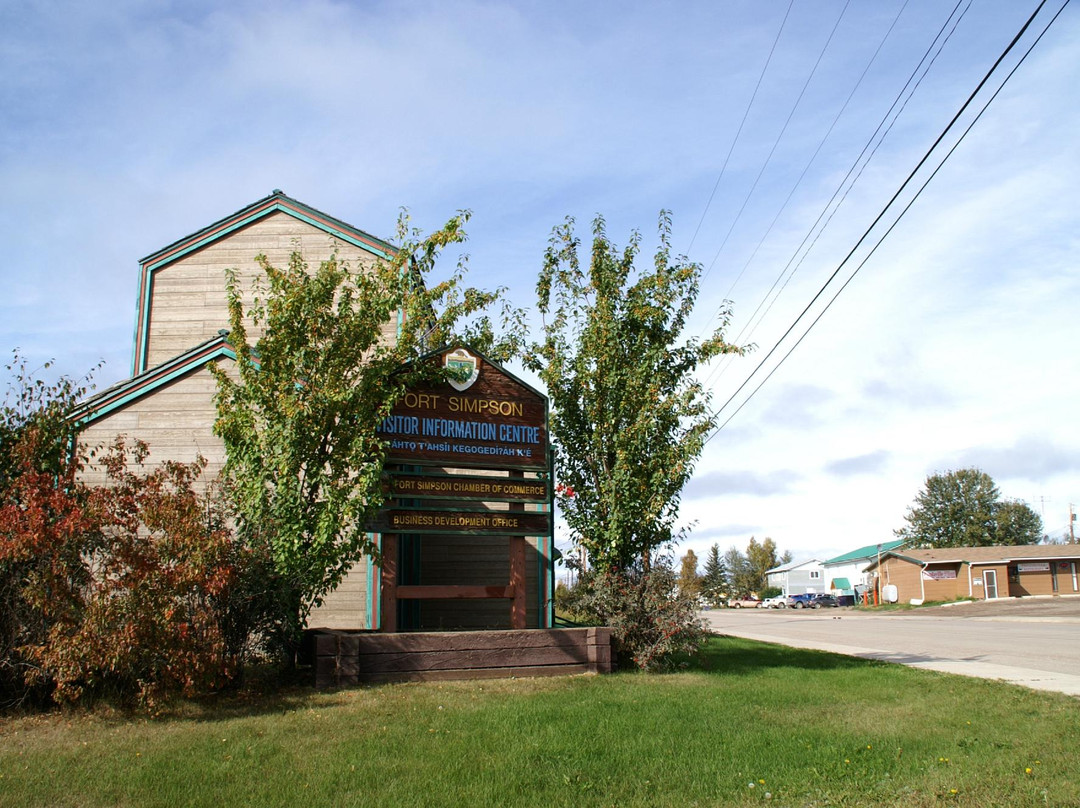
176 421
187 300
347 606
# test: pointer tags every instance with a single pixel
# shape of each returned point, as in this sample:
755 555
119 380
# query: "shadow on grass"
736 656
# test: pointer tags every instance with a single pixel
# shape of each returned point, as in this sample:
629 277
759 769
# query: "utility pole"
1072 523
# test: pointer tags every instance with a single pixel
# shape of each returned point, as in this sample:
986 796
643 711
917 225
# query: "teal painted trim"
255 216
541 582
138 320
376 589
150 386
143 307
356 242
369 614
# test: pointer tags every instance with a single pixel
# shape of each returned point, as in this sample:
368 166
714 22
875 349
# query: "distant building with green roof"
846 574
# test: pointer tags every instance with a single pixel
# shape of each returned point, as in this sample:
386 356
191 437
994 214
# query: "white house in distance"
798 577
846 574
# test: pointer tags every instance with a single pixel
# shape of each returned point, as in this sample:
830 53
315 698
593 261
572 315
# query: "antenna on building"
1042 504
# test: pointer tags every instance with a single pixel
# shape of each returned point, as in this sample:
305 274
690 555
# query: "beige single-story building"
951 573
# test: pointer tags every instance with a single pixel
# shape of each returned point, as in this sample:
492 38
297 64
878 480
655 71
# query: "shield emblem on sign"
464 368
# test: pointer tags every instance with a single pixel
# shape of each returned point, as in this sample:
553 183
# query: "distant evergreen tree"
714 580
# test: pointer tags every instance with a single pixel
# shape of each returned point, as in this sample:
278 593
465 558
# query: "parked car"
743 603
777 602
800 601
824 600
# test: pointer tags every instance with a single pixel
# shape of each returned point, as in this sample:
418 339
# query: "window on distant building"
815 574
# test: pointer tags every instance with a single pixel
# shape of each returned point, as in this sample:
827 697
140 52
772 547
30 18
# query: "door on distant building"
990 583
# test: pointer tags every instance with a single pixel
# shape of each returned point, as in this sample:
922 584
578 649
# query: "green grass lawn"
749 725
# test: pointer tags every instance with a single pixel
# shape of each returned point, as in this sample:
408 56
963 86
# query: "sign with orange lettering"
498 523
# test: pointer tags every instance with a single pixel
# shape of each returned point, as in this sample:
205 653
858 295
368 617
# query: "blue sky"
130 124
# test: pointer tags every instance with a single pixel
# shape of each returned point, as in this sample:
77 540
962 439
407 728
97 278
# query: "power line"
900 97
862 263
772 151
742 123
821 144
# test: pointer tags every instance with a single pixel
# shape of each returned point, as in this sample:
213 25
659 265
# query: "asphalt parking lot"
1034 642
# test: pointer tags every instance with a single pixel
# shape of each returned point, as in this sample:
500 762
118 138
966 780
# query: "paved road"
1030 643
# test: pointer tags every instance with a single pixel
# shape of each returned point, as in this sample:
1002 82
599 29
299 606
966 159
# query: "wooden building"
979 572
167 402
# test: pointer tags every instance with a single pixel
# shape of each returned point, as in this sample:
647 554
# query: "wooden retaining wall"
351 657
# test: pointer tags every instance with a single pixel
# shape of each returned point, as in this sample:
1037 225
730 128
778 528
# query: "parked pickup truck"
800 601
743 603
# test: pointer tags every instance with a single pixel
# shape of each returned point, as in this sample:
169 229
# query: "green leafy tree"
1015 522
628 420
299 418
689 579
963 508
760 558
714 579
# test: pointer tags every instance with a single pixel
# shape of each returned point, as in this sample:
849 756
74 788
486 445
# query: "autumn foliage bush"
652 622
134 590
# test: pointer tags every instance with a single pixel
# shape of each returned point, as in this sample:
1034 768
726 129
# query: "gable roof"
276 202
986 555
123 393
867 552
792 566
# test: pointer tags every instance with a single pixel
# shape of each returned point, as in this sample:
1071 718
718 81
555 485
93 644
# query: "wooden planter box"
352 657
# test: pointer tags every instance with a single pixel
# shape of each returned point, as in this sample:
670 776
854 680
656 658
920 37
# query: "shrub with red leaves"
133 590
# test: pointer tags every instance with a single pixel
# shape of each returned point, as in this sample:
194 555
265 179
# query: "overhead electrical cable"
896 221
772 151
856 169
718 371
820 145
806 168
738 133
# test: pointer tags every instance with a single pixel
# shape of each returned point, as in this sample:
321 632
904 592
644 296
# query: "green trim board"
129 390
283 201
869 551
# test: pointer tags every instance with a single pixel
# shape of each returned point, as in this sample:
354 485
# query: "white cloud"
130 124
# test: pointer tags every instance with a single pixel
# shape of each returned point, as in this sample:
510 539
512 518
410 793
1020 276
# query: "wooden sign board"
487 419
495 523
450 486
